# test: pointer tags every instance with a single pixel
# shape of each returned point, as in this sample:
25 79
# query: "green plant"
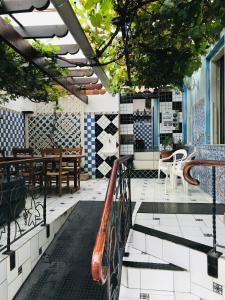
178 145
168 141
19 78
150 42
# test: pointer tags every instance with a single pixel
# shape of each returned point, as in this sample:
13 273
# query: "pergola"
41 20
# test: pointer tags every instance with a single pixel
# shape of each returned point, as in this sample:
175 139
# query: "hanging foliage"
148 42
19 78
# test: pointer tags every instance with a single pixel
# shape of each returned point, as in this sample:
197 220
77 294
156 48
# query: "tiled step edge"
154 266
173 238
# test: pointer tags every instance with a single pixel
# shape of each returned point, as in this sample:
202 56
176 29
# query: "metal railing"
115 224
213 255
22 198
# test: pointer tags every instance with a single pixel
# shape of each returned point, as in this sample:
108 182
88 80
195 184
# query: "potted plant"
178 145
167 146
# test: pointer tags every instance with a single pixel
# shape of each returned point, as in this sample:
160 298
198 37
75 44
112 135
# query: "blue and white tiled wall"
89 144
126 124
143 129
200 92
12 130
64 127
96 127
204 174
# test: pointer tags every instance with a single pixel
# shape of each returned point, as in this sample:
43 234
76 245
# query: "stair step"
192 257
173 238
158 277
149 265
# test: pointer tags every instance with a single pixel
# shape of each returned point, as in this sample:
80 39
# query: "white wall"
20 104
102 103
139 104
96 103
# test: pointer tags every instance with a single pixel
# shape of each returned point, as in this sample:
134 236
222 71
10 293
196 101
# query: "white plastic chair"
166 166
177 171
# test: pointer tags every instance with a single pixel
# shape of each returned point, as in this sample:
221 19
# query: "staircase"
163 266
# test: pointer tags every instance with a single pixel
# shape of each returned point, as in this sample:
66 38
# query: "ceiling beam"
19 6
16 41
42 32
85 80
71 63
67 14
92 86
67 49
93 92
81 72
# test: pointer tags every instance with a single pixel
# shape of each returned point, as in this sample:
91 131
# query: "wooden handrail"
193 163
98 273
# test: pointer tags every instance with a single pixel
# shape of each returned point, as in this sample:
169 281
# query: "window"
221 134
218 97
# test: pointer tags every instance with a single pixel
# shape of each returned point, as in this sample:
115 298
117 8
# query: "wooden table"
73 158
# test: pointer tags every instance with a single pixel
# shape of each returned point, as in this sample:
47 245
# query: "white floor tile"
157 280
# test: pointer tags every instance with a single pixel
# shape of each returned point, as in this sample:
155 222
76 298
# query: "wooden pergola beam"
42 32
93 92
81 72
96 86
70 19
71 63
67 49
19 6
16 41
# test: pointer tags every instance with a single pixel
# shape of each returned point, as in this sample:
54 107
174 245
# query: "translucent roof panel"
38 18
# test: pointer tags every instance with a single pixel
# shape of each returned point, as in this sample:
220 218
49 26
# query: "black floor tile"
180 208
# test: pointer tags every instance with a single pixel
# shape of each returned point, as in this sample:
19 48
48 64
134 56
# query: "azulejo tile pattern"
105 124
89 144
198 119
170 102
11 130
143 129
64 129
204 174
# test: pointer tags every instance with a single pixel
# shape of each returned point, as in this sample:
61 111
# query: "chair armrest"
166 158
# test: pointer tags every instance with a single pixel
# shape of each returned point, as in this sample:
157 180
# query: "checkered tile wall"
89 144
105 124
171 102
67 131
143 129
11 130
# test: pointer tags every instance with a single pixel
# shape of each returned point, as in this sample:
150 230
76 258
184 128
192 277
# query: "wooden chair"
54 168
2 153
68 166
165 165
32 172
2 158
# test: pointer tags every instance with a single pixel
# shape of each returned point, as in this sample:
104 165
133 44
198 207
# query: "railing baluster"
213 255
45 192
129 190
9 207
117 215
214 206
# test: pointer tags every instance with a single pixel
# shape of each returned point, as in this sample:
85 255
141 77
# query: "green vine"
154 43
19 78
